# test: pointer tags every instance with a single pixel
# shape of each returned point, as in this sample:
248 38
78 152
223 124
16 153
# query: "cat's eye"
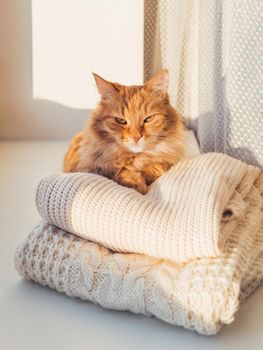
148 119
120 121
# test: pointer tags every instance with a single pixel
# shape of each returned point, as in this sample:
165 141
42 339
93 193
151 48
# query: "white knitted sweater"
200 294
178 219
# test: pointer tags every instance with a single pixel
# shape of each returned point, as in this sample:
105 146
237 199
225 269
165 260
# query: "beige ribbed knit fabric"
179 218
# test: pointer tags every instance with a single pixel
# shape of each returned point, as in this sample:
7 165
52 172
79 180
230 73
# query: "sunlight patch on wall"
72 38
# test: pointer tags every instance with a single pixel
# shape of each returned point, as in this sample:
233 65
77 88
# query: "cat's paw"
132 180
141 187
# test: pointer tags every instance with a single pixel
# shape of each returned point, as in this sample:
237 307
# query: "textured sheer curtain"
213 50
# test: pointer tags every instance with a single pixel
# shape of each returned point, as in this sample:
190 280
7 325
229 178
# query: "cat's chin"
135 148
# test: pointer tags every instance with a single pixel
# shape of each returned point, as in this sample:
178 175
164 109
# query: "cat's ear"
159 82
104 87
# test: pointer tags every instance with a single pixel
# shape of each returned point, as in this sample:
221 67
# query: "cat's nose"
136 138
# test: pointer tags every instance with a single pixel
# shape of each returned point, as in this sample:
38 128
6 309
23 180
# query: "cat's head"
136 117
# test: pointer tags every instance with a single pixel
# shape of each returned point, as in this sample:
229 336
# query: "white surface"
73 38
34 317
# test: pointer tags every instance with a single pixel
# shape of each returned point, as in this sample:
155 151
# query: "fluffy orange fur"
132 137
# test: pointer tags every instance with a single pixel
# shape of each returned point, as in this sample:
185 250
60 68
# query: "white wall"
49 48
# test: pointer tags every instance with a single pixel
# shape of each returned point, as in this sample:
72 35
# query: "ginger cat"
133 136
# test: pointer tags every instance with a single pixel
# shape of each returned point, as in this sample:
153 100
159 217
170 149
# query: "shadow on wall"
22 116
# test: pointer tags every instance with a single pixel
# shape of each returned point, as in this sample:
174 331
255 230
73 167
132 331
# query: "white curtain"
213 50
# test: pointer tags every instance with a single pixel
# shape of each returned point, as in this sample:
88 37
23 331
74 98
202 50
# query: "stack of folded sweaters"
189 252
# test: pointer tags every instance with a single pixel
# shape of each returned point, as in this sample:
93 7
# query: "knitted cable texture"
200 295
178 219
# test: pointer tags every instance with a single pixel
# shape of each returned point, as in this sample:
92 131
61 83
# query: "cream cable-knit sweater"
200 294
178 219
